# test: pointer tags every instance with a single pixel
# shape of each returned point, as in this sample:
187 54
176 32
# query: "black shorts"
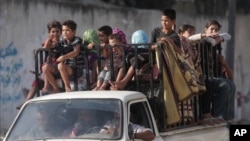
56 73
77 73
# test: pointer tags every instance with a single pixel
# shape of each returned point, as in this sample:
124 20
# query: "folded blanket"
169 93
180 78
180 70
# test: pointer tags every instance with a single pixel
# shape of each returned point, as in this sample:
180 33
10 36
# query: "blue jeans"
223 98
104 76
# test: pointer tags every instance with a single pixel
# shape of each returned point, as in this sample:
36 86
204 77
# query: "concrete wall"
23 29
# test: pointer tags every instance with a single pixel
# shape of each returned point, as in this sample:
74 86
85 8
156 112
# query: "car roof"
106 94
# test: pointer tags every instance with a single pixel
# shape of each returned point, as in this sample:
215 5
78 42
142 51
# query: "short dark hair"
106 29
185 27
213 22
54 24
71 24
170 13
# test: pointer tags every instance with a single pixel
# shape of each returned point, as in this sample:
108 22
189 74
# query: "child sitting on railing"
105 75
70 63
54 34
138 37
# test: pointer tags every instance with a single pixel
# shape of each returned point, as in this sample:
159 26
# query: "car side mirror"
130 131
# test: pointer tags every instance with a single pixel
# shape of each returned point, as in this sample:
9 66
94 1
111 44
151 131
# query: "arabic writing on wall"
10 75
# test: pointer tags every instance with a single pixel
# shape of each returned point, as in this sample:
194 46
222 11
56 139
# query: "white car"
75 115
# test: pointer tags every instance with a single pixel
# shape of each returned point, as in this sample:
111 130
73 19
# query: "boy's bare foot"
113 86
55 91
67 89
44 92
119 85
95 89
101 88
93 85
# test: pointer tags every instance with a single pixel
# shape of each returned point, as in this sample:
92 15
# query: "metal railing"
190 110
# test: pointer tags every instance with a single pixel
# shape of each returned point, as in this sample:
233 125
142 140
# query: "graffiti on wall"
10 75
9 51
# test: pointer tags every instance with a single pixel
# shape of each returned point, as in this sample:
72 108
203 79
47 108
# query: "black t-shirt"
157 33
64 48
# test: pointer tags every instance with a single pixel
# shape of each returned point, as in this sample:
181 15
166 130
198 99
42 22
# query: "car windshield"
67 119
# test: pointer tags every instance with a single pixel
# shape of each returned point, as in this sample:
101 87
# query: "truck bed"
188 109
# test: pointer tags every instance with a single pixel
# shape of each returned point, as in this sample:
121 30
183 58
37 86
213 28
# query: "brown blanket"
180 70
192 54
179 78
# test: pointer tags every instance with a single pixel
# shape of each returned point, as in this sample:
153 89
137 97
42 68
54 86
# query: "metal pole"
231 30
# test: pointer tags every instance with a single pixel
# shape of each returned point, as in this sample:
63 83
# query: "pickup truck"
166 104
49 117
